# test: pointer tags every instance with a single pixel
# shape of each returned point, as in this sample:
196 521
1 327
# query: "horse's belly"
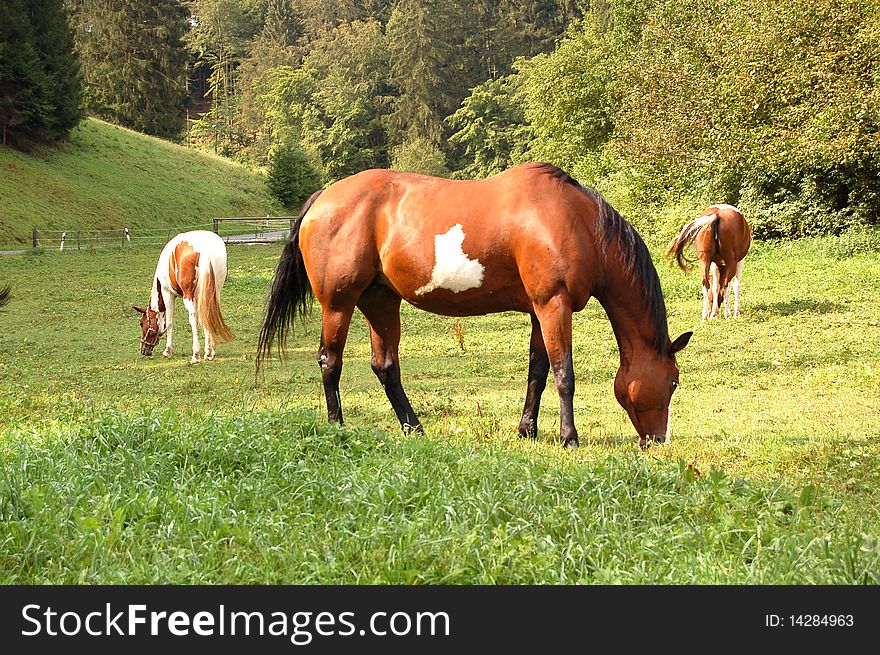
471 303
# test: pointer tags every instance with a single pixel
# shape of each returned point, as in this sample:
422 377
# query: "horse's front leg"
555 319
193 323
169 325
539 366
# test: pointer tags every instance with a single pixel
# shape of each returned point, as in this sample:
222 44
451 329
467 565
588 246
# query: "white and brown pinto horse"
722 239
530 239
192 265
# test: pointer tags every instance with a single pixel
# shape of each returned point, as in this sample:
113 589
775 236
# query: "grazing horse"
192 265
722 238
530 239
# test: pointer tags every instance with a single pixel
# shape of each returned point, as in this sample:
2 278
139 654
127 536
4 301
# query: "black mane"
634 254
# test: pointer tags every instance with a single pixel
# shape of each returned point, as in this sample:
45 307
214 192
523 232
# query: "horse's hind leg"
555 319
736 283
381 307
717 274
194 324
705 286
334 331
209 344
539 366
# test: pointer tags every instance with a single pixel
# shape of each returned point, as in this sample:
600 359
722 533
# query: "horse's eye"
674 385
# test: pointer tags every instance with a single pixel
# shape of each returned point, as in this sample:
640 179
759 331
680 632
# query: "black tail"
5 295
290 293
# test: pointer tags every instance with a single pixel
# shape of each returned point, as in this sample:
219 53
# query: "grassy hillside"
110 177
116 467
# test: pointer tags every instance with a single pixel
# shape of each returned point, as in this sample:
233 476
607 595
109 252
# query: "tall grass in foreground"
154 497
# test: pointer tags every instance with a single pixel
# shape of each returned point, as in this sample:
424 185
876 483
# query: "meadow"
118 468
106 177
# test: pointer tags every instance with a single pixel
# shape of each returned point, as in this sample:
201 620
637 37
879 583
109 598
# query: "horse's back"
447 246
195 249
734 232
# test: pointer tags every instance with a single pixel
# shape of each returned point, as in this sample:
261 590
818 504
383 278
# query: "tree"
419 155
292 176
423 67
492 130
39 83
134 62
275 46
220 37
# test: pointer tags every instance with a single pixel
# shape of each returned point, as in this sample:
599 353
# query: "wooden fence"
249 229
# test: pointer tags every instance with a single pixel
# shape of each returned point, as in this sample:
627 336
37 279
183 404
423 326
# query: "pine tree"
134 62
54 42
39 85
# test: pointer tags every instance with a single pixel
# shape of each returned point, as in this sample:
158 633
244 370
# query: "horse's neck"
630 318
154 297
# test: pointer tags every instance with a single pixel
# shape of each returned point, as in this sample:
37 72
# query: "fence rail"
247 229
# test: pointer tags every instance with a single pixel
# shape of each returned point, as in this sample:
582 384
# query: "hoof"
166 353
210 357
572 444
528 430
196 359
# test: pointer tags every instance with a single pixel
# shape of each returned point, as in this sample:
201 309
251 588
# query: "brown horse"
722 238
530 239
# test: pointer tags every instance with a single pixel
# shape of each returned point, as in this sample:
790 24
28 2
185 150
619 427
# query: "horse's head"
152 323
644 387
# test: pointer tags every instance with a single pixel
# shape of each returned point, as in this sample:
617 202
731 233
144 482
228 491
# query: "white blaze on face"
453 270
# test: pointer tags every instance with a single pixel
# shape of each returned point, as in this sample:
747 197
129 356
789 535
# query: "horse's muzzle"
649 440
147 350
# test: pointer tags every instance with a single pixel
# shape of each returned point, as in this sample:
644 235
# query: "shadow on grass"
762 311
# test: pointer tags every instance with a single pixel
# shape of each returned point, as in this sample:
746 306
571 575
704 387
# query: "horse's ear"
139 309
680 343
161 304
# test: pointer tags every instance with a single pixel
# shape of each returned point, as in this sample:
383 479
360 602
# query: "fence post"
77 240
217 226
36 238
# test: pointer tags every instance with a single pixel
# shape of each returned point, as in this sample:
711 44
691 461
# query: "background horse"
192 265
722 238
5 295
530 239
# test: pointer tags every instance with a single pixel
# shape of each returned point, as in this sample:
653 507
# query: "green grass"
108 177
118 468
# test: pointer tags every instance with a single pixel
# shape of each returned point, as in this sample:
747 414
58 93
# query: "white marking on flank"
452 268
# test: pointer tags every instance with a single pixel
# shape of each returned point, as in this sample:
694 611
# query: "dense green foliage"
133 62
772 106
118 468
39 81
107 177
357 84
291 177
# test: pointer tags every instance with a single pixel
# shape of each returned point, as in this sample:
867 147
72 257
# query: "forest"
771 106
